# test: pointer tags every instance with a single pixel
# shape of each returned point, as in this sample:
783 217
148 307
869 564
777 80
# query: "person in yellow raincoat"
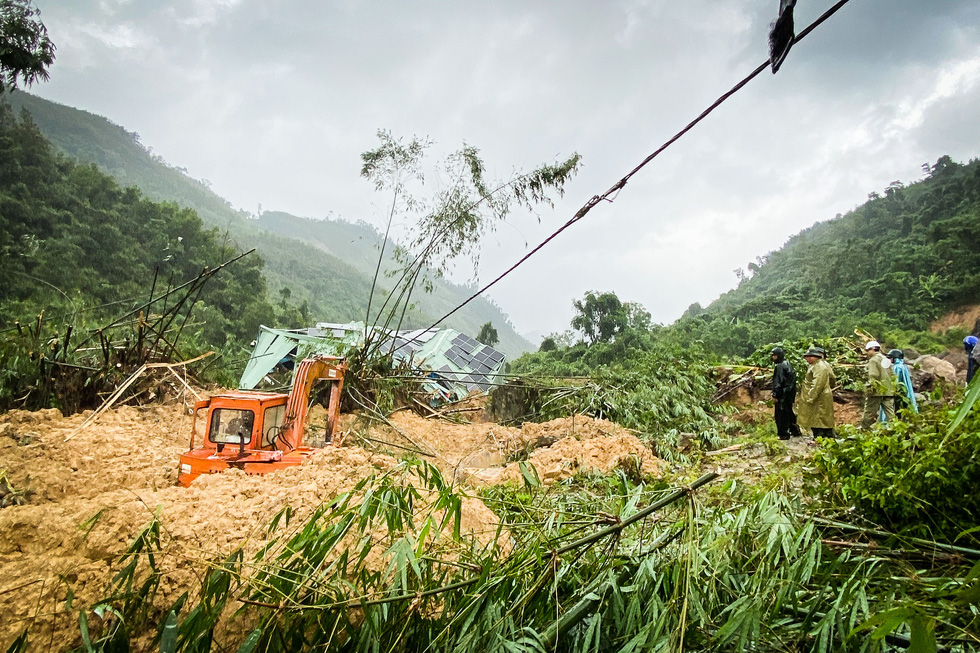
815 407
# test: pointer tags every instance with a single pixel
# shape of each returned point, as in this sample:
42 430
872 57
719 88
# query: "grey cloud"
273 101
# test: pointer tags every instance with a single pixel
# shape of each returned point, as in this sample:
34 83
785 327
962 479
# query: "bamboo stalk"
642 514
107 404
951 548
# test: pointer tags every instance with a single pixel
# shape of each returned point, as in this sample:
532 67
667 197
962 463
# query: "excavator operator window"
231 426
272 424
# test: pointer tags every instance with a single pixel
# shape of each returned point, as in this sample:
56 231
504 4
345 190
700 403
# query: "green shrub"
909 476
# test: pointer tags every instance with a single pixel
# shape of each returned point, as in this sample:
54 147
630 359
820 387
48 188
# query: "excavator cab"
260 432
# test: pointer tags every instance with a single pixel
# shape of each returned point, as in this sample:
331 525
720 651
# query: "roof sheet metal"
464 362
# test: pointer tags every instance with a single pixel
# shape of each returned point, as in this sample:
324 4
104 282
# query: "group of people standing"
812 407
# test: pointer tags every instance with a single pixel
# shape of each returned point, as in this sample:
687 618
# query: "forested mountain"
311 261
897 262
72 240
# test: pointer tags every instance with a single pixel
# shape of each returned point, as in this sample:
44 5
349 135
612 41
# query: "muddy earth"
73 499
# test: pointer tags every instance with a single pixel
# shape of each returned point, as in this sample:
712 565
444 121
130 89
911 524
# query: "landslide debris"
81 499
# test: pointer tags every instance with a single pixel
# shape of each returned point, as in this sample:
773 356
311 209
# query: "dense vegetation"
73 240
617 563
895 263
911 478
78 251
326 263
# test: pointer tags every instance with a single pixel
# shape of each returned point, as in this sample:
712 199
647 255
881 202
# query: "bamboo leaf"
972 394
530 474
251 642
923 636
20 644
83 629
168 640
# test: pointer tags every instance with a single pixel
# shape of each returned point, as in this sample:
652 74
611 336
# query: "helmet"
896 354
779 353
970 341
872 344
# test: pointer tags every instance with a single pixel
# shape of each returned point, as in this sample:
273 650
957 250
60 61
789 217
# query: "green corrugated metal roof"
447 352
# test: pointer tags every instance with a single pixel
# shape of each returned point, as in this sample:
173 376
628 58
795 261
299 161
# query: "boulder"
937 367
957 358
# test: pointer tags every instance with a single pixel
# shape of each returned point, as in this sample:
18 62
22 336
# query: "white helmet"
872 344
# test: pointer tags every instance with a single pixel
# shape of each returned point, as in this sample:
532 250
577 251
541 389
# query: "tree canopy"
26 52
898 262
72 239
488 334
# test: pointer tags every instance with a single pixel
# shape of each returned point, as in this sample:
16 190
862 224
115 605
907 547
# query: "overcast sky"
272 102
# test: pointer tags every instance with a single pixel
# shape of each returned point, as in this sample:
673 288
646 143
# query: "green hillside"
88 267
334 280
895 263
360 244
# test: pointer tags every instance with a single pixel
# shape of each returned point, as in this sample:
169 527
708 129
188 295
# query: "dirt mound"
579 427
460 449
126 448
89 496
478 453
88 493
569 456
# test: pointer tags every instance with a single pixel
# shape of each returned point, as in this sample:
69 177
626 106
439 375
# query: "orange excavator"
261 432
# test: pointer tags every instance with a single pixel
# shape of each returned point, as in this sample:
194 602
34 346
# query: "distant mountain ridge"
327 263
895 263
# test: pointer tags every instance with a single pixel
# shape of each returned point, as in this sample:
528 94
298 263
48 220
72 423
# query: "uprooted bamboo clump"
70 364
607 565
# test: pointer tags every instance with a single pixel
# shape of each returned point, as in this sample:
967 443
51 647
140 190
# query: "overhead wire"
615 188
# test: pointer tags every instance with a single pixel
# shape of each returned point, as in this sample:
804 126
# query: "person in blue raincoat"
904 392
970 346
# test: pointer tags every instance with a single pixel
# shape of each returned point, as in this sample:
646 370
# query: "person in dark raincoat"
815 405
783 394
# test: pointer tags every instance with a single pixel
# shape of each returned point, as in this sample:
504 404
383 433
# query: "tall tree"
600 316
488 335
26 52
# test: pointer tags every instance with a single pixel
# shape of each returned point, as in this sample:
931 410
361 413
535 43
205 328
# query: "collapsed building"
453 363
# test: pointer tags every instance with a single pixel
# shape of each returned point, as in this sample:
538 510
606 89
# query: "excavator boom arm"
310 371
